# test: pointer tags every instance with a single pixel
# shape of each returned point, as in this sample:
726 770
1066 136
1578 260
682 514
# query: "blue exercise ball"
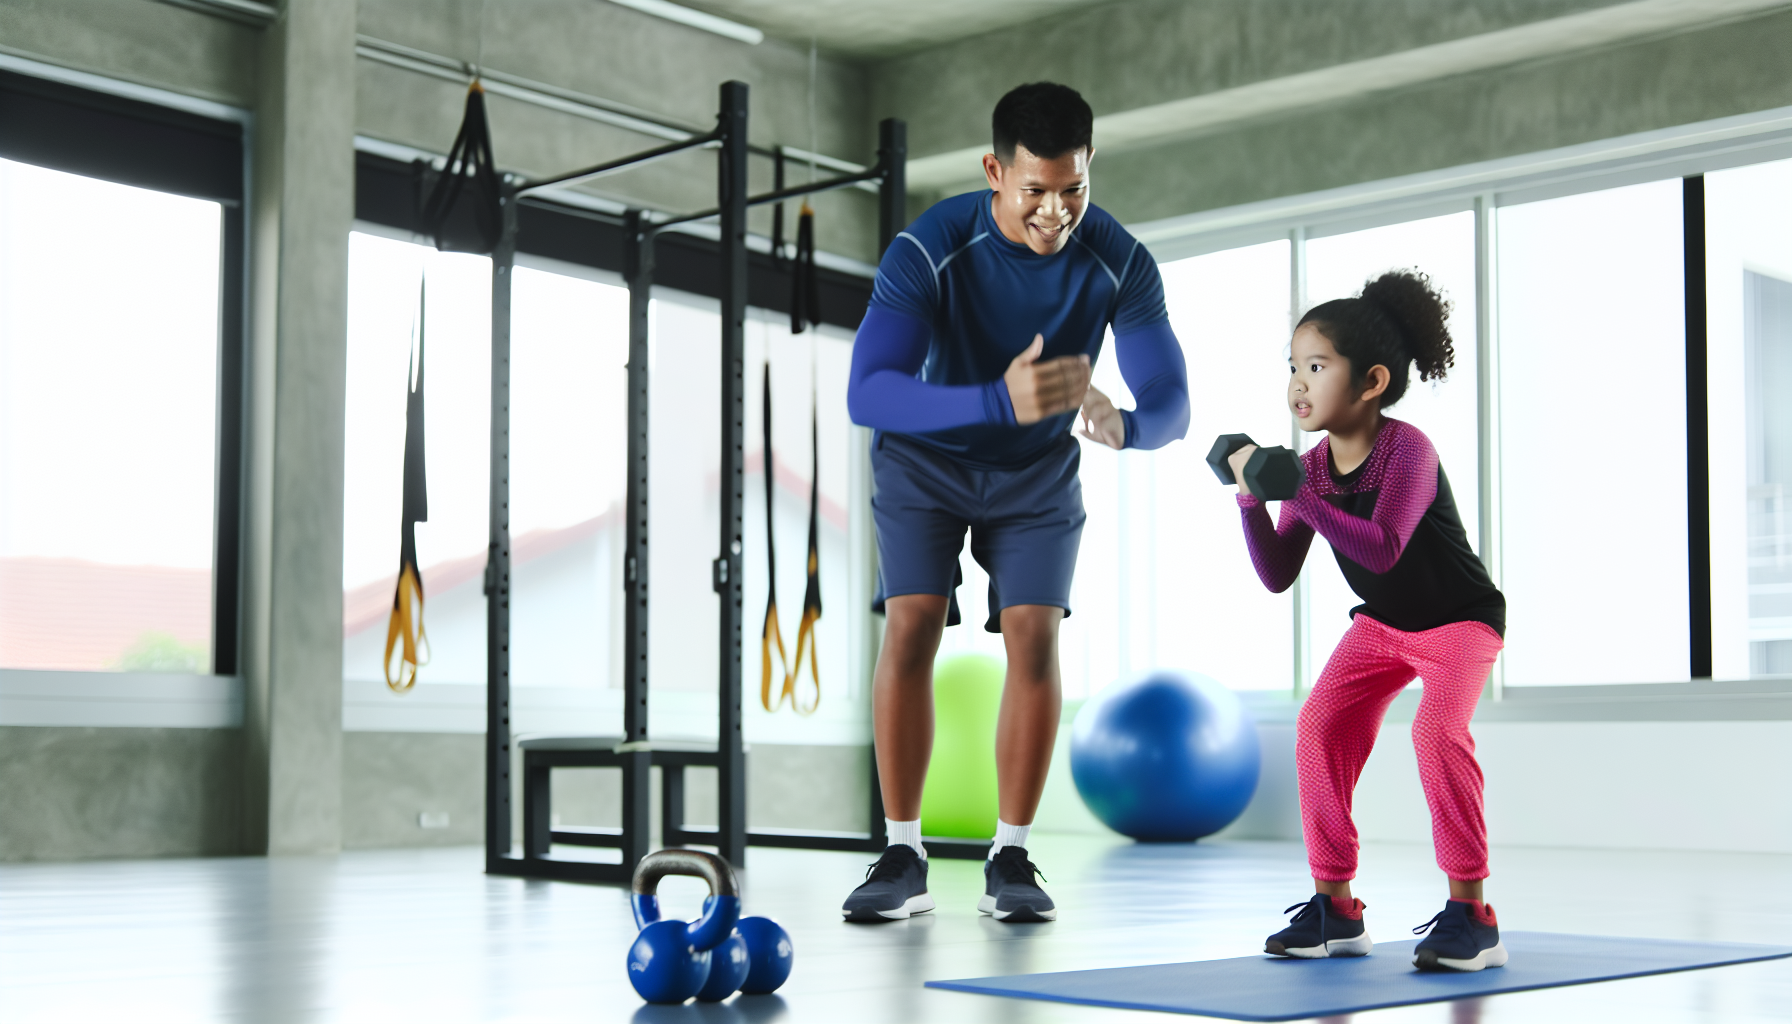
1165 757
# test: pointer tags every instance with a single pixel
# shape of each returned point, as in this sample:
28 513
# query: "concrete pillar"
302 206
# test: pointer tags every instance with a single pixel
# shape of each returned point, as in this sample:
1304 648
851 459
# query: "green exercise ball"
960 798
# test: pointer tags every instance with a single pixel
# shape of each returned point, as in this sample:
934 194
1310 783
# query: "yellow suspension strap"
805 632
770 633
405 627
805 312
469 177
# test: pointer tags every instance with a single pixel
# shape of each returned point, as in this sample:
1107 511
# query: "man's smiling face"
1039 202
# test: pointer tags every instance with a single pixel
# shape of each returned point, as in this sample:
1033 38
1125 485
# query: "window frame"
1686 152
150 138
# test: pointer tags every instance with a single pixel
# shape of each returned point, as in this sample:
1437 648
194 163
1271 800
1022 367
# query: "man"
971 364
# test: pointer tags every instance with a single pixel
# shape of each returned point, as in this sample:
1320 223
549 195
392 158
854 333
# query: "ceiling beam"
1196 115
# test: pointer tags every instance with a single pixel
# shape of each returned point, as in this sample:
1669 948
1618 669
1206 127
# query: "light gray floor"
424 936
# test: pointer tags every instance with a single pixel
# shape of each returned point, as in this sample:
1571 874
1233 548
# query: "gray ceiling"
883 28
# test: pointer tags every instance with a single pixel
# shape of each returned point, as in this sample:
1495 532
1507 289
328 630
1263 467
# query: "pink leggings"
1372 664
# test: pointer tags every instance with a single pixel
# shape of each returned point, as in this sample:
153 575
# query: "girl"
1376 492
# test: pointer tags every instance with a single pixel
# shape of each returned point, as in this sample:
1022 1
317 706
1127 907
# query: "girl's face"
1320 393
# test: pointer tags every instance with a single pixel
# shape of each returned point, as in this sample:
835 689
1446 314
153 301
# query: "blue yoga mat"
1272 988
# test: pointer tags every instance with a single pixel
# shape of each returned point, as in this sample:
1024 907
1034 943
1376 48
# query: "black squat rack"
634 752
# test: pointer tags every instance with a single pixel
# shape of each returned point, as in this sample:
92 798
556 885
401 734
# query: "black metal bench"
542 754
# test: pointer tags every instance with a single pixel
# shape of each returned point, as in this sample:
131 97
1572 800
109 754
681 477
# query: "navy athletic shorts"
1025 525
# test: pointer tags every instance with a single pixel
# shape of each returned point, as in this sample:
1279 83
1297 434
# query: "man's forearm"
1152 364
884 393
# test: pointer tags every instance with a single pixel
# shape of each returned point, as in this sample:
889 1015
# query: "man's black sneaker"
895 888
1009 893
1319 931
1459 941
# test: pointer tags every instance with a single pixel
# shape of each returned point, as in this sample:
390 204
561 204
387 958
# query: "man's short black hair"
1047 118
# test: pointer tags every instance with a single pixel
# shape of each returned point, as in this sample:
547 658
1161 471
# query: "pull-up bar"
710 141
875 173
633 752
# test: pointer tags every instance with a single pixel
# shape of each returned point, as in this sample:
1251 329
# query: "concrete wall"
618 54
598 49
1122 56
142 43
1602 785
1728 70
75 793
301 207
1632 785
1128 55
67 793
390 779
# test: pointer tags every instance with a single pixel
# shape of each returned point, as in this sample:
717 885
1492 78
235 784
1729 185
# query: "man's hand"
1101 421
1237 461
1039 390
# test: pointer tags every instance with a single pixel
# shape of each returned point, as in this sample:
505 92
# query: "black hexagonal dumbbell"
1273 474
1220 455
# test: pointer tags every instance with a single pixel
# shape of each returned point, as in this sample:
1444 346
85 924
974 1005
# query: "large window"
1593 437
1748 288
568 351
568 443
1590 335
109 387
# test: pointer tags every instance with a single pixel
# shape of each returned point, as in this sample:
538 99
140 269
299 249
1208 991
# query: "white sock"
1008 835
905 832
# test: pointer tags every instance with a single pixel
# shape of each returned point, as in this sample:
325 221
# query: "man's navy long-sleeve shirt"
955 301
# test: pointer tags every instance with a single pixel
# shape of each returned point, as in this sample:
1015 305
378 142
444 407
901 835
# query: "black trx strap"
805 312
469 160
805 634
778 208
771 632
805 304
406 623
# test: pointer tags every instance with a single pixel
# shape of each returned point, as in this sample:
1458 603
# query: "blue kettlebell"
769 955
671 961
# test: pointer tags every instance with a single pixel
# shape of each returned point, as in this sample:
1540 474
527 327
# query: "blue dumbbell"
671 961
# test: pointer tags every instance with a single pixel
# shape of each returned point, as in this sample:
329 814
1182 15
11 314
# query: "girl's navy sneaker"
1459 940
1319 931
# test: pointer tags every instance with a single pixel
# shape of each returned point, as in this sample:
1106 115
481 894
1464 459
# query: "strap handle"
720 911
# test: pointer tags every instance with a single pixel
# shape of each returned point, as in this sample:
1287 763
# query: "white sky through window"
108 370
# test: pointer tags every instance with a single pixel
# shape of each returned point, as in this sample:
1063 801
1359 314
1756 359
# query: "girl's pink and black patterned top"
1392 523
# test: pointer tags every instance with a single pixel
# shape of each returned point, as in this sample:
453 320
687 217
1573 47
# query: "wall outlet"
432 819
